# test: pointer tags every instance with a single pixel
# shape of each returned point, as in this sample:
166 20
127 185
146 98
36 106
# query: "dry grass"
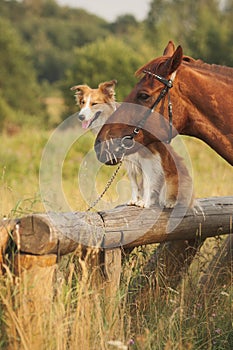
75 316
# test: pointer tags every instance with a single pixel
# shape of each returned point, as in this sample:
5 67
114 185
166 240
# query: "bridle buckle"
127 142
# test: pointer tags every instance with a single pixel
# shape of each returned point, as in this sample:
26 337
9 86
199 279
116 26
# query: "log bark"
111 268
124 226
34 298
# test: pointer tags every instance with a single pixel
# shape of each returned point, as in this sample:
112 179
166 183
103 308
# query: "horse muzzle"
109 152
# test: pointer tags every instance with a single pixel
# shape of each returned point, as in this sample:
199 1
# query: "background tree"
104 60
202 27
124 24
18 83
208 38
49 48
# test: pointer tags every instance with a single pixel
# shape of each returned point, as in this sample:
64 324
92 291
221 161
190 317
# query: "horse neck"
203 106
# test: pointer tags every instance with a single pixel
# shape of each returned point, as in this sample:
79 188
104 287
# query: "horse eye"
143 96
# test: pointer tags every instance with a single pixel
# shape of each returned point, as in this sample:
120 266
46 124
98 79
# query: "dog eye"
143 96
93 104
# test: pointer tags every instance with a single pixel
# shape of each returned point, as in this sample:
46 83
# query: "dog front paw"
168 203
140 203
132 202
137 203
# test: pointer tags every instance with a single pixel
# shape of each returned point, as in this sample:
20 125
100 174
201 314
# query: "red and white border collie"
152 170
86 98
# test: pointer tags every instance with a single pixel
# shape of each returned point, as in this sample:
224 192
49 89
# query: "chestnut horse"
201 95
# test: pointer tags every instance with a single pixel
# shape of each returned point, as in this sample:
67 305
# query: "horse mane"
198 64
212 68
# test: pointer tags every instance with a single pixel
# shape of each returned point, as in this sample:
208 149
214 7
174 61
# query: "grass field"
185 318
20 165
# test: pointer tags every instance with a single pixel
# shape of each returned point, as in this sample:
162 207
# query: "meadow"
185 318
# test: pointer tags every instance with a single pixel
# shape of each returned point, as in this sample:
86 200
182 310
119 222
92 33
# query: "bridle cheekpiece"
127 142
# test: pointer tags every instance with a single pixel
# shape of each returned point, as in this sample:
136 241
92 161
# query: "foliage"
203 28
104 60
19 89
52 32
124 25
43 44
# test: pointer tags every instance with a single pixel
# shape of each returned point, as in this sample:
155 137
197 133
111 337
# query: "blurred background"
47 46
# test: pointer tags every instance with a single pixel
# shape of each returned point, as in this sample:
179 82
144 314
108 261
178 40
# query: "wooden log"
124 226
35 297
109 282
112 274
25 262
100 270
59 233
112 271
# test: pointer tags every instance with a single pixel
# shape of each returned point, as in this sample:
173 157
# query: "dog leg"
134 187
168 194
152 176
132 171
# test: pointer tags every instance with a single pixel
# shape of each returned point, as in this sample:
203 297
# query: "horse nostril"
81 117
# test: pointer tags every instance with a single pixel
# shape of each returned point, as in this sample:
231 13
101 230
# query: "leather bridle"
128 142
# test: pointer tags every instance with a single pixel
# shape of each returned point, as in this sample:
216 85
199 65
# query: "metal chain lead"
110 181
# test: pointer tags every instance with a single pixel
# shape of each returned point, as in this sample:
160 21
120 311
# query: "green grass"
185 318
20 159
212 174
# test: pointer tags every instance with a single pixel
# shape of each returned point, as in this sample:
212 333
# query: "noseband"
128 142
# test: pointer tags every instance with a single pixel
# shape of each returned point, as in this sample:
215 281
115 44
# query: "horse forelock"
153 66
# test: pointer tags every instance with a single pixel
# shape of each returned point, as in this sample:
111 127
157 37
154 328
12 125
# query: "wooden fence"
41 238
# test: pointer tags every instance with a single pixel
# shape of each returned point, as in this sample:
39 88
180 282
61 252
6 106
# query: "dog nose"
81 117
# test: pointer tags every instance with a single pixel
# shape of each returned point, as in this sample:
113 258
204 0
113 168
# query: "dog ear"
108 88
79 89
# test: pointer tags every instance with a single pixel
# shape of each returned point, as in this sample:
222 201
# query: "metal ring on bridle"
127 142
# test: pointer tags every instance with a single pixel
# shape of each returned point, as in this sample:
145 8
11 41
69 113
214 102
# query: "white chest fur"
146 177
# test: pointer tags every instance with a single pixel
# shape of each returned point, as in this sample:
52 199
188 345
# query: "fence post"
35 282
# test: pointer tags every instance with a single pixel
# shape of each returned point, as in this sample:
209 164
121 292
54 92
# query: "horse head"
135 122
116 137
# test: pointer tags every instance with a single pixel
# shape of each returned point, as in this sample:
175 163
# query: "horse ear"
174 62
108 87
169 49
